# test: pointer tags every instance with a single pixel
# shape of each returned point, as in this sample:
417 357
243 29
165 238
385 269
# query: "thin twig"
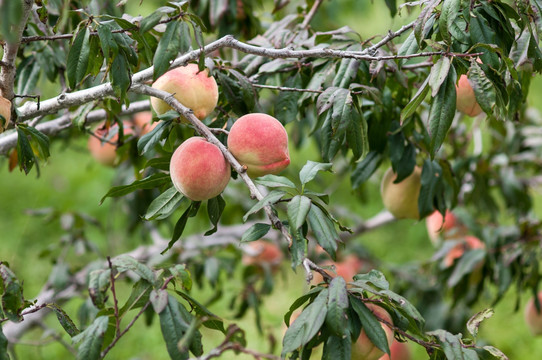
115 300
282 88
311 14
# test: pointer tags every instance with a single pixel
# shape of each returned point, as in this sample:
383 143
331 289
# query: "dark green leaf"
98 283
150 182
269 199
11 13
442 112
439 73
3 345
25 155
372 327
121 76
392 6
212 321
365 169
92 339
337 304
255 232
126 262
451 344
149 140
12 297
338 348
167 49
215 207
432 183
448 14
78 57
468 263
173 326
323 229
484 90
286 107
138 296
415 102
164 205
307 324
275 181
66 322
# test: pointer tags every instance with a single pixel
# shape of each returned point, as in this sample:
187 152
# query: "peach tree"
365 104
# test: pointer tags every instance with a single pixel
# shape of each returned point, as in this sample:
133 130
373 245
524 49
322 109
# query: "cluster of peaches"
198 168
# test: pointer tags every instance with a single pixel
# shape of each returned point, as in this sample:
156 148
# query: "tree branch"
311 14
7 72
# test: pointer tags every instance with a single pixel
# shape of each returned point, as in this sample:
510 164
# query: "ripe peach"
533 318
143 122
106 152
259 142
348 268
402 199
199 170
443 226
399 351
363 348
193 88
469 242
466 101
262 252
5 112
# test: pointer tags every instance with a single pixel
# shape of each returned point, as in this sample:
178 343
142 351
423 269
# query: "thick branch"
7 73
8 140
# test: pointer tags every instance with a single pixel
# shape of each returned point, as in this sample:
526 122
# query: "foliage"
364 103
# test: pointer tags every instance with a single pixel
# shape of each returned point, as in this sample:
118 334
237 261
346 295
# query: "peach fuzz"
259 142
193 88
533 318
106 152
5 111
199 170
399 351
466 100
363 348
401 199
143 122
262 252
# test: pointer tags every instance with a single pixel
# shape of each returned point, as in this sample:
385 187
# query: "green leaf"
126 262
307 324
495 352
431 185
150 182
159 300
92 339
474 322
180 272
338 348
311 168
11 13
484 90
357 135
25 155
38 140
12 294
167 49
78 57
164 205
138 296
215 207
150 139
323 229
121 76
392 6
468 263
173 326
415 102
451 344
365 169
65 321
98 283
298 209
212 321
275 181
450 11
375 278
442 112
439 73
337 305
286 107
110 49
255 232
409 47
269 199
372 327
179 228
150 21
3 345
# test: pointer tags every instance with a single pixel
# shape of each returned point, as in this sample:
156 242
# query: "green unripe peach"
260 142
193 88
199 170
402 199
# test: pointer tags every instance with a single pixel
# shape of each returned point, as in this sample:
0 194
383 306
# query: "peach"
399 351
347 268
143 122
199 170
363 348
260 142
106 152
5 112
193 88
437 226
533 318
466 100
262 252
469 242
401 199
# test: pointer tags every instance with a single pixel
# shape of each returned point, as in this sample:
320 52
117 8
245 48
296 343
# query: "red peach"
106 152
363 348
262 252
401 199
533 318
259 142
143 122
199 170
438 225
469 242
399 351
466 100
5 112
193 88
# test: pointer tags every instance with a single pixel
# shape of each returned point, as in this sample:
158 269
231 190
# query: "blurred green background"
72 182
